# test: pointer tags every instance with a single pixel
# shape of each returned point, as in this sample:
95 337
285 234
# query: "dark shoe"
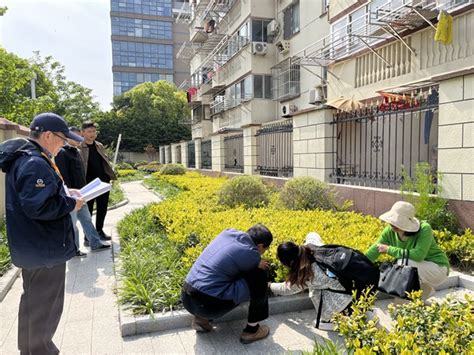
201 325
260 334
102 247
104 236
80 254
86 242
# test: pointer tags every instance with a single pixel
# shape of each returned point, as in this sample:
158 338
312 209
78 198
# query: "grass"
150 265
5 260
116 194
164 188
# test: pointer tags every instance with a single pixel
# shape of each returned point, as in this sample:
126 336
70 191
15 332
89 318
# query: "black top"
69 163
95 165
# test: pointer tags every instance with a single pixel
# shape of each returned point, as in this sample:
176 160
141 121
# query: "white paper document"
95 188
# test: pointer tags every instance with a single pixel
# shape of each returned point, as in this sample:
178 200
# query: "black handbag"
398 280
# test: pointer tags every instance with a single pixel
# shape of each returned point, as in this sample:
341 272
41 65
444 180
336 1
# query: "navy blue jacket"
218 271
39 226
69 162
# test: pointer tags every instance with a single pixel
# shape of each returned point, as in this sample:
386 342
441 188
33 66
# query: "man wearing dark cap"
39 228
96 165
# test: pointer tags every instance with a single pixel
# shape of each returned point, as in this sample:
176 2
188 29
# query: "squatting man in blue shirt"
230 271
39 228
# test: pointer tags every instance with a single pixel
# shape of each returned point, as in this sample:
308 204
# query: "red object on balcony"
190 93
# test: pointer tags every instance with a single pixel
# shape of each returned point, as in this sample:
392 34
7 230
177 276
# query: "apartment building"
145 41
262 71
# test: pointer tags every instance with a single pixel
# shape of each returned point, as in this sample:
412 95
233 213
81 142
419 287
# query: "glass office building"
145 40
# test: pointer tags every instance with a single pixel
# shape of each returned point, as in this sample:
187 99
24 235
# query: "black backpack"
352 268
12 149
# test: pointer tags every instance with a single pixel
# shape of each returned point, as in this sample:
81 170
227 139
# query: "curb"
117 205
7 281
134 325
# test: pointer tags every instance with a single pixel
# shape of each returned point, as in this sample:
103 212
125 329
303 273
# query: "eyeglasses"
65 141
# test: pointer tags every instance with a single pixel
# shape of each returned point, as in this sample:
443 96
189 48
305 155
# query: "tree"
15 76
53 92
150 113
3 10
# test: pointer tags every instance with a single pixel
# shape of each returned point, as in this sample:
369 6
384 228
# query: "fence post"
218 152
184 153
250 148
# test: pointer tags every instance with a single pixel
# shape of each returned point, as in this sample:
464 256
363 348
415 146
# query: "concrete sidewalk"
90 323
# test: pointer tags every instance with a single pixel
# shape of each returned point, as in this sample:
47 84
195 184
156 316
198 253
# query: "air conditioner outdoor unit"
283 46
287 110
259 48
272 28
316 96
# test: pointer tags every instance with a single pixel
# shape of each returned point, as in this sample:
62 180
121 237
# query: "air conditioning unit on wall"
287 110
259 48
283 46
316 96
272 28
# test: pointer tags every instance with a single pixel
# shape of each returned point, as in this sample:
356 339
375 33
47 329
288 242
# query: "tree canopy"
150 113
53 92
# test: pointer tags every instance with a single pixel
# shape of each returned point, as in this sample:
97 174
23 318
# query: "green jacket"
425 247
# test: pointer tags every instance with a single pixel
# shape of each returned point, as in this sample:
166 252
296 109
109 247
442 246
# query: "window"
147 7
124 81
145 55
325 6
259 30
285 80
291 20
123 26
262 86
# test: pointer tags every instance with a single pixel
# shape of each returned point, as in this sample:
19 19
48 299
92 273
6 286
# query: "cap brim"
73 136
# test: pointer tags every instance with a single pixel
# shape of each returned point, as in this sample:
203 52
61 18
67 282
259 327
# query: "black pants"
208 307
102 203
41 306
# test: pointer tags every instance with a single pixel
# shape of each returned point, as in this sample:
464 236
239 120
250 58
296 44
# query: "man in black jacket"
39 228
70 165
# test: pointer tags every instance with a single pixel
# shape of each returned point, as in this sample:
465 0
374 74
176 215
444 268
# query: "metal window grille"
285 80
206 154
275 149
372 147
191 155
234 153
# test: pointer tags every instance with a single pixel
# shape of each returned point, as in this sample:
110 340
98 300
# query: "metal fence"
178 154
234 153
168 155
275 149
191 155
206 154
372 147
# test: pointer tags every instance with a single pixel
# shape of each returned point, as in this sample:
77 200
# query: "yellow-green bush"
247 191
172 169
125 172
418 328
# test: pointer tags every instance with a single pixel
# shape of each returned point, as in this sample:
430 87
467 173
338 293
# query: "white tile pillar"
250 148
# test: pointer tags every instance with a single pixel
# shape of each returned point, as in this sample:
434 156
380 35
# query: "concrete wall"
456 137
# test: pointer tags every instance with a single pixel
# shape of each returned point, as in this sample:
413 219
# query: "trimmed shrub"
247 191
124 166
151 167
307 193
172 169
139 163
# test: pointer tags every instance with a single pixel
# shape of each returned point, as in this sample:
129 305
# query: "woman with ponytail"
325 291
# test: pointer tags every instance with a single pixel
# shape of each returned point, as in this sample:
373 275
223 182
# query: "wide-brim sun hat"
402 216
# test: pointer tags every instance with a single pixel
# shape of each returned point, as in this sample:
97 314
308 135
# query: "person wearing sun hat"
405 231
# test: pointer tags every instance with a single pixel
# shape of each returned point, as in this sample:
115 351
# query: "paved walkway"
90 323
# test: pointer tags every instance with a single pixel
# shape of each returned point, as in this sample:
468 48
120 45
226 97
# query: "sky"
75 32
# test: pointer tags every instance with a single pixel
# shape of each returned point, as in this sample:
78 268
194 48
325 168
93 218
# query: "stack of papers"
95 188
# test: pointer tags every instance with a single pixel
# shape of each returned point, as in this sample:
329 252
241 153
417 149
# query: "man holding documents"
39 228
70 165
96 165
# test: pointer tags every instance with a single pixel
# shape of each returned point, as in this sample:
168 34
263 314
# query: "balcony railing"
389 20
227 103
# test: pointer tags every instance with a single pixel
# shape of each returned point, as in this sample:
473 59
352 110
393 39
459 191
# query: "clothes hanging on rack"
444 29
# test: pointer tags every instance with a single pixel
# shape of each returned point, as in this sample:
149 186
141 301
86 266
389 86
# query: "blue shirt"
218 271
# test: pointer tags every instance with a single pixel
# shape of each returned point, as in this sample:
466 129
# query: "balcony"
389 21
227 103
182 12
